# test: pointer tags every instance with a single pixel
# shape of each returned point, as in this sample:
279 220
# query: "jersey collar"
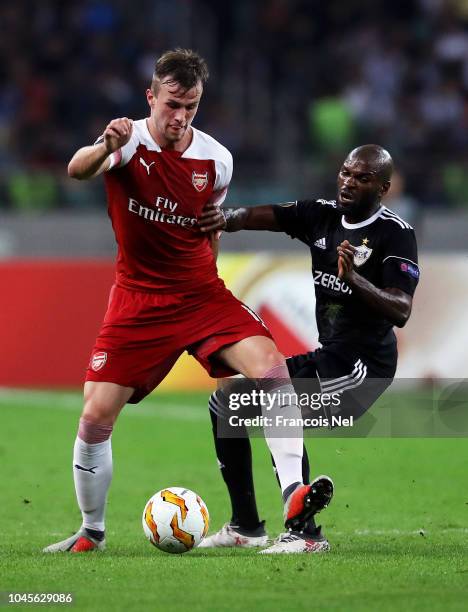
193 143
368 221
148 140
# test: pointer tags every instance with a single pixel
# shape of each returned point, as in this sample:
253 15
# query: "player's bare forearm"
394 304
235 219
253 218
89 162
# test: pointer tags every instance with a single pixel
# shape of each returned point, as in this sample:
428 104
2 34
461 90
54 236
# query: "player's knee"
99 414
100 410
104 401
270 361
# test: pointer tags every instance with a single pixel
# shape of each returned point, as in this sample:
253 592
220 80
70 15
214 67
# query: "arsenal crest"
200 180
98 361
362 253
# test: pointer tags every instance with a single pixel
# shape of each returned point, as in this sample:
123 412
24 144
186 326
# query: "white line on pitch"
73 401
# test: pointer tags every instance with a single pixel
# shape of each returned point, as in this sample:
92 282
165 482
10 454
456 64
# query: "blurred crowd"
294 85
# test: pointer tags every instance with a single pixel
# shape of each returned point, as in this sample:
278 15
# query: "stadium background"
294 85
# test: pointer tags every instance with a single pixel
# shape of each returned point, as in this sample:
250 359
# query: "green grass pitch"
397 526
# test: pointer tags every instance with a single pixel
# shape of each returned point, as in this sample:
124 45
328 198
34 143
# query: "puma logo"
78 467
147 166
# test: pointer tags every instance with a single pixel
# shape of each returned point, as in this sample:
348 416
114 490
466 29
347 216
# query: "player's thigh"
252 356
303 372
351 379
103 401
303 365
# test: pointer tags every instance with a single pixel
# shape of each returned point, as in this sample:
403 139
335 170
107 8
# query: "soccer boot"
81 541
306 501
298 542
231 535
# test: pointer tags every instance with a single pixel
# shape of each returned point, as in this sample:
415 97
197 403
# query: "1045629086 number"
37 598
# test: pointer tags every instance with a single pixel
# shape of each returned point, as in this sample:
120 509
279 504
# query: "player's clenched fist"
117 133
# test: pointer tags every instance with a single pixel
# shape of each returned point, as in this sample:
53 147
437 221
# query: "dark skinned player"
365 272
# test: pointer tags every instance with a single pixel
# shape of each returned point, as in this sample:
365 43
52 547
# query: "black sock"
310 527
96 534
305 466
235 458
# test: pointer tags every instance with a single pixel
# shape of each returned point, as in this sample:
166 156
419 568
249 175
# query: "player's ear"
150 97
385 187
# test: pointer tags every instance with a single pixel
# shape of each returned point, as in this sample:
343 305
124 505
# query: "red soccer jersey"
154 198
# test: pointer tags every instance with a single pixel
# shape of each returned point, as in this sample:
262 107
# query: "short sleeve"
224 169
400 261
298 219
218 197
123 155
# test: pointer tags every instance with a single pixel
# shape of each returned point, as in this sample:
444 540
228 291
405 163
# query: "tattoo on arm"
253 218
235 218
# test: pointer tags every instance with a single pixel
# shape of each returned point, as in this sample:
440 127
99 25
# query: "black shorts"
337 380
352 377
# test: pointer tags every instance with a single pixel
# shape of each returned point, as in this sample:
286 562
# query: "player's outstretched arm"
394 304
93 160
234 219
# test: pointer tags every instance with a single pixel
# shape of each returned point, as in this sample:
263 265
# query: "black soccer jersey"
386 256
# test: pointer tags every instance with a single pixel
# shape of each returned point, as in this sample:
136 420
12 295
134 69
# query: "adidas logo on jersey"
320 243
